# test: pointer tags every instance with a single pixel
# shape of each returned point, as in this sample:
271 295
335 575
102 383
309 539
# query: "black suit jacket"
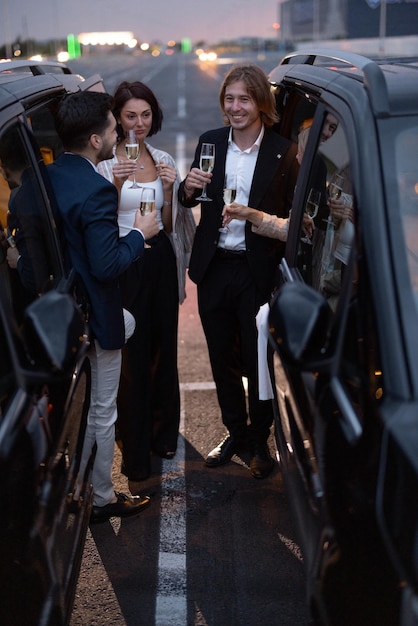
271 191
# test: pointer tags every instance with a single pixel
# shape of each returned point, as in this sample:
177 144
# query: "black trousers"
229 301
149 395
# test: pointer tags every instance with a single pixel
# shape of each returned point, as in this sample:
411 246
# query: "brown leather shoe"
224 452
261 464
125 506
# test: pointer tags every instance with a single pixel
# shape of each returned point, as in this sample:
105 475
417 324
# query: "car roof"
391 84
24 82
8 67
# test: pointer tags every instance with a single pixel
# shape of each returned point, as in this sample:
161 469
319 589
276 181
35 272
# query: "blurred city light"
206 56
117 38
63 56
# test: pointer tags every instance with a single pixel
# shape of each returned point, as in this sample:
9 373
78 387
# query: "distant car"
44 375
343 324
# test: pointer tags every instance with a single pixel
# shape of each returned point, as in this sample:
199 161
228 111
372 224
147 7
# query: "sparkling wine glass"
132 152
207 161
335 187
311 209
147 204
229 194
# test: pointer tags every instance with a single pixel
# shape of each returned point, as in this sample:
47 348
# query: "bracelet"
167 203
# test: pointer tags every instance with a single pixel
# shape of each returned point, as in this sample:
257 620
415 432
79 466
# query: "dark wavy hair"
125 91
258 88
81 115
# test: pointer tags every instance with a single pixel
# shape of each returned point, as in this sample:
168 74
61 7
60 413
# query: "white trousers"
105 375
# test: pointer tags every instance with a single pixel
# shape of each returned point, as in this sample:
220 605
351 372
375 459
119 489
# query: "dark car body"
44 377
343 326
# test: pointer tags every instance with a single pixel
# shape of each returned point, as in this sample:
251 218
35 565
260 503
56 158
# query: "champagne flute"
229 194
147 204
132 152
311 209
335 187
207 162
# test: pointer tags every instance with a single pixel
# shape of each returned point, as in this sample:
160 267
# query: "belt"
223 253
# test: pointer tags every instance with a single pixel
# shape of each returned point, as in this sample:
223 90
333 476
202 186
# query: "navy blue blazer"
271 191
88 204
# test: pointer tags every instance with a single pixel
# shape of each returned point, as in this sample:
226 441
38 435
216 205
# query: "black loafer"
261 464
224 452
123 507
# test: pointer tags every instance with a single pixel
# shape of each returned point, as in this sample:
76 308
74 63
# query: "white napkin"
265 390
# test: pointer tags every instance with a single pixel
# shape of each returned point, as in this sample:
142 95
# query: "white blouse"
184 225
130 199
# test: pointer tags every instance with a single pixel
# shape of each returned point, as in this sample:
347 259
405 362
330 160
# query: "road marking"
181 107
197 386
181 162
171 600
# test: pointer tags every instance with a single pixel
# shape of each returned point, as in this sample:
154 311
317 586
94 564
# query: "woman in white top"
153 287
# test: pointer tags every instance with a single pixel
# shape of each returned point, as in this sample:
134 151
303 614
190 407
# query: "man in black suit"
235 270
88 205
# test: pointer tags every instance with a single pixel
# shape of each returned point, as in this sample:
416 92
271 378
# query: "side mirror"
300 319
54 331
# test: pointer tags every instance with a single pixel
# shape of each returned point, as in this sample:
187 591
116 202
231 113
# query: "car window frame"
39 166
407 304
338 324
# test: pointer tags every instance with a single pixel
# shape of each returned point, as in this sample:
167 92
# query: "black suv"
44 375
343 326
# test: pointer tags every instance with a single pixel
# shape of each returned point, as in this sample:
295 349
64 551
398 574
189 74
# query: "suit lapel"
220 161
272 152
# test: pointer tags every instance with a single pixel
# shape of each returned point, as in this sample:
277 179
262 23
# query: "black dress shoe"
261 464
224 452
123 507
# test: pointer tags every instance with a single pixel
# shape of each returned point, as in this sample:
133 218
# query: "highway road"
216 547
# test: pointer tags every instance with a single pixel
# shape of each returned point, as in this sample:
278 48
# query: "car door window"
31 260
42 125
332 260
323 256
406 159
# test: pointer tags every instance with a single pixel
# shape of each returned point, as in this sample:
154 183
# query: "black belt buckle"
223 253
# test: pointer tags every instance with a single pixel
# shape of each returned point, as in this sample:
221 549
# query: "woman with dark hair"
153 287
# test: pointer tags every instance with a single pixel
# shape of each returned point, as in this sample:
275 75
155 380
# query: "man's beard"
106 153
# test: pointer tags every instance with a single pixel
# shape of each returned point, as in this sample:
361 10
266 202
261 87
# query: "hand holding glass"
229 194
311 209
207 162
132 152
335 187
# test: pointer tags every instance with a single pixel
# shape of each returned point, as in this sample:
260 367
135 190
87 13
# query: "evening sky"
150 20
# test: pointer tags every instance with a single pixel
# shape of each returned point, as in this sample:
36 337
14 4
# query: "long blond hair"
258 88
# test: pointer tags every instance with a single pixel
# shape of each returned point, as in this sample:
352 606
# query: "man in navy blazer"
235 270
88 204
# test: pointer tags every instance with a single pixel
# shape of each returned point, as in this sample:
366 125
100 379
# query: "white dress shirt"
242 163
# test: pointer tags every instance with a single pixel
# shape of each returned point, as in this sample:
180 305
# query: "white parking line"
182 165
171 601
